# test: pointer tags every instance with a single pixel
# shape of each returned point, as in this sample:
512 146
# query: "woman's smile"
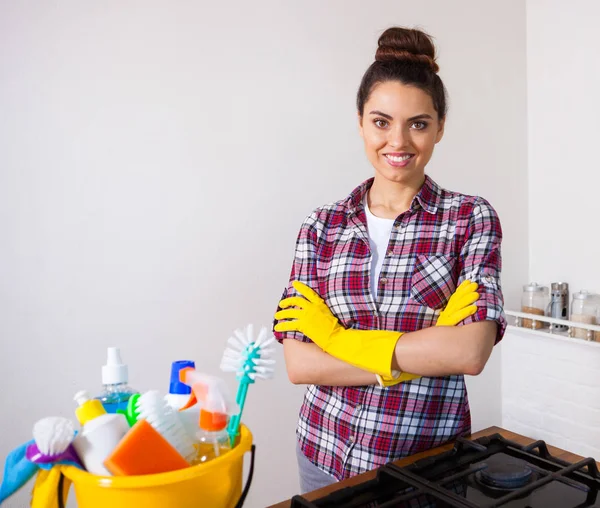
399 160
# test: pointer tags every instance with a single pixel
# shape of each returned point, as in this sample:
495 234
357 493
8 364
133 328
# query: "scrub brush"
153 408
53 437
249 359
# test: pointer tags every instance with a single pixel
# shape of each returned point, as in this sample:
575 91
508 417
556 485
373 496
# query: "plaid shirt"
443 239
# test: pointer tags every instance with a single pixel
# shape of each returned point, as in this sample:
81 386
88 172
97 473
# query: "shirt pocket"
433 280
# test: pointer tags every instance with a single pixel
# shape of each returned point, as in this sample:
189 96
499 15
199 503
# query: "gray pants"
311 477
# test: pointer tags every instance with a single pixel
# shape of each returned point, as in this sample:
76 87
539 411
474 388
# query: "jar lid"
584 295
534 287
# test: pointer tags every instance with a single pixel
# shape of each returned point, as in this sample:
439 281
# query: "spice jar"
584 309
534 300
597 334
559 304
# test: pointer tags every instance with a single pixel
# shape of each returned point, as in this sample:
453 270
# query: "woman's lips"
399 161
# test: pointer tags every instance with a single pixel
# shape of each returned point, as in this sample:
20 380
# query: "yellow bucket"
215 484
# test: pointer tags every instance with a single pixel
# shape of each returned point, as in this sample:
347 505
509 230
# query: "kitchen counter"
556 452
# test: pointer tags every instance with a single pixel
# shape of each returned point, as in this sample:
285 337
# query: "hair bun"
406 44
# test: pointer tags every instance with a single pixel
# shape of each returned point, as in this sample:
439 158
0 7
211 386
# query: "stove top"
488 472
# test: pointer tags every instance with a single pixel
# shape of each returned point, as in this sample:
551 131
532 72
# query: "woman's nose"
398 136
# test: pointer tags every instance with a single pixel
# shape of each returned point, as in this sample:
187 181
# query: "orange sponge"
143 451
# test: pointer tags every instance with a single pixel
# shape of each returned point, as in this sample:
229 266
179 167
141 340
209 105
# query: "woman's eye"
420 125
381 123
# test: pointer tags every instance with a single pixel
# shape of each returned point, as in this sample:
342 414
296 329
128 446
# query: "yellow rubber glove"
460 306
45 489
370 350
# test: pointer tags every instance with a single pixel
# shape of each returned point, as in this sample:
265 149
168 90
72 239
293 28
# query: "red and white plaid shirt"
443 239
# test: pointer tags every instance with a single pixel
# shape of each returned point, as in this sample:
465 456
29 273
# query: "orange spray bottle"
216 406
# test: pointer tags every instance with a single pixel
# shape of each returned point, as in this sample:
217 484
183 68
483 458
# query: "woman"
383 261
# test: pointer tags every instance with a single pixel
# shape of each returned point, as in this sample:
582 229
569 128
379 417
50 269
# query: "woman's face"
399 127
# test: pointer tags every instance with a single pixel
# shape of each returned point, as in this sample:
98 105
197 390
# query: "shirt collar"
428 197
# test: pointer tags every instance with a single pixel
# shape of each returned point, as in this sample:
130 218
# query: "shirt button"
383 281
358 408
351 440
489 279
390 252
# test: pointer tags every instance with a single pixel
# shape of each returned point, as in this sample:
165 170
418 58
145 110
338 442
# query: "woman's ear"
360 125
440 132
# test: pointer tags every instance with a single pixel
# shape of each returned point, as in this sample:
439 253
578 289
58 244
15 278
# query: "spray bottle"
115 376
179 395
216 405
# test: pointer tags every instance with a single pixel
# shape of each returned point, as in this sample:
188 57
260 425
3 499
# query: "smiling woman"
400 129
378 317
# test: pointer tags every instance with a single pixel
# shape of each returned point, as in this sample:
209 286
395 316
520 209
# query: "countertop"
556 452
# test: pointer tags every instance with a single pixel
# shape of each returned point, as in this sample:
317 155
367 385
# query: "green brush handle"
233 429
252 353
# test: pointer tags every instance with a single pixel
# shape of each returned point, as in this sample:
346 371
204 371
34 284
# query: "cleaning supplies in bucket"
216 484
100 433
144 459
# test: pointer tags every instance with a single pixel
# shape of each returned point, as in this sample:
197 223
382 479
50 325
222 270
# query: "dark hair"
408 56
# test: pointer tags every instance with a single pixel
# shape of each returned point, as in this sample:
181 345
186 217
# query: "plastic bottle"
179 395
216 405
212 437
115 376
100 434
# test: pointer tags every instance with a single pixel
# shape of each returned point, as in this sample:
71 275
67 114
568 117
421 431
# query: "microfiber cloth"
18 471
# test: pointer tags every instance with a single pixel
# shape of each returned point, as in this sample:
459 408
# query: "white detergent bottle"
100 433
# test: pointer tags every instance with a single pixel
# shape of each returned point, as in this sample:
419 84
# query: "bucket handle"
249 479
239 504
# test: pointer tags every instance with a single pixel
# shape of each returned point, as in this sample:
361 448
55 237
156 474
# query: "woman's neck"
389 199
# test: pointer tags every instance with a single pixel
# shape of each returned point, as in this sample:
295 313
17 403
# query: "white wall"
563 79
549 386
157 160
550 390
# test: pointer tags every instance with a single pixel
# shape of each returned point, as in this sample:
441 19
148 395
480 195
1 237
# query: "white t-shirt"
379 231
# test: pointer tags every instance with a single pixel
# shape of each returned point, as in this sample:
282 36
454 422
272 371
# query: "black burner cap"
510 474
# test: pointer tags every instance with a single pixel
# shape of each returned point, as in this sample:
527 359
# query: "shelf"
548 332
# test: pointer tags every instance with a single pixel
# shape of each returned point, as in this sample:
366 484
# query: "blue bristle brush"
249 359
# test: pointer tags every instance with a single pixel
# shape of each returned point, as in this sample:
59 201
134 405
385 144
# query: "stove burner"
504 475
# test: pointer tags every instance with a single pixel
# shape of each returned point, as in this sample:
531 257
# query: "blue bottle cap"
176 386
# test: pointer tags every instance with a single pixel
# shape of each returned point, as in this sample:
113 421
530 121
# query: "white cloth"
379 231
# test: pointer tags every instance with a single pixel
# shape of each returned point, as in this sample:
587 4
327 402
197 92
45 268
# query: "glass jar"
584 309
534 300
597 334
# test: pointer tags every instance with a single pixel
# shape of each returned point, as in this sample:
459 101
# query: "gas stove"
488 472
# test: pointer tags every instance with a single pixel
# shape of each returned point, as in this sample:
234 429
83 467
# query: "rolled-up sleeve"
304 269
481 261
